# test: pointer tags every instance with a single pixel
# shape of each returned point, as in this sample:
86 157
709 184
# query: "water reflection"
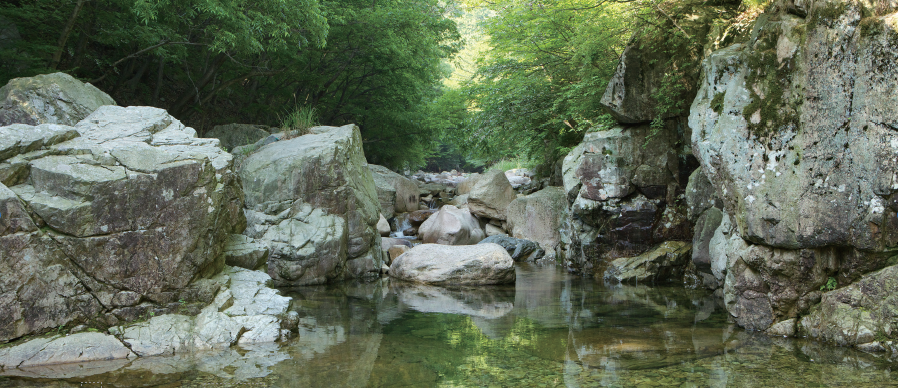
549 329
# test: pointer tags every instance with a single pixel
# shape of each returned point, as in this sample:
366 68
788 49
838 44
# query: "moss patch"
717 103
765 80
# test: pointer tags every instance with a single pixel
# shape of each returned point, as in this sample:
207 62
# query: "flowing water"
550 329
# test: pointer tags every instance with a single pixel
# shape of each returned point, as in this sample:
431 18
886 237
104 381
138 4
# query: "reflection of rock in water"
483 302
542 296
67 371
328 360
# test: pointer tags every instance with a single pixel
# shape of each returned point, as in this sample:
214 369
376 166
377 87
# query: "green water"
549 330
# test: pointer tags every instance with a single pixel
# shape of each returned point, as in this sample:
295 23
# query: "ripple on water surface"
550 329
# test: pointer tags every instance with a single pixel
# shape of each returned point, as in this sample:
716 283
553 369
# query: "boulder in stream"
455 265
451 226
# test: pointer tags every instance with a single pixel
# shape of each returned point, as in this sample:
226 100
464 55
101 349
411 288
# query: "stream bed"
550 329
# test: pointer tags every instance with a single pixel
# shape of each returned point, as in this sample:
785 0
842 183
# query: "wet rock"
235 135
74 348
244 252
662 264
451 226
315 204
859 313
396 193
418 217
56 98
455 265
244 311
519 249
491 195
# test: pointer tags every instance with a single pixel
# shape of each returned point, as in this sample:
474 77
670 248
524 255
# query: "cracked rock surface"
127 207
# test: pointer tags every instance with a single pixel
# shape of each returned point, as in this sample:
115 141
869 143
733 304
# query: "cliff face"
795 126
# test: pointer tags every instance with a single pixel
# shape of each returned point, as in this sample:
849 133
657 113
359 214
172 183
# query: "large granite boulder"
465 186
396 193
313 201
620 161
451 226
490 195
134 209
58 349
455 265
796 130
540 217
235 135
56 98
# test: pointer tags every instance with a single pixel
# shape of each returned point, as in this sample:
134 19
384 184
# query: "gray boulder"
540 217
861 313
313 200
451 226
663 264
235 135
396 193
49 99
75 348
455 265
490 195
465 186
244 252
700 195
135 205
519 249
619 161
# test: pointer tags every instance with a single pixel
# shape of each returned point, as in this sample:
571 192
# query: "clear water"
549 330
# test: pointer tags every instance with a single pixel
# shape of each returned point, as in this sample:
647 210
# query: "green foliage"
512 163
830 285
376 64
536 91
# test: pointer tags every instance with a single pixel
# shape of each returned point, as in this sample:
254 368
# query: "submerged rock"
455 265
313 201
56 98
519 249
662 264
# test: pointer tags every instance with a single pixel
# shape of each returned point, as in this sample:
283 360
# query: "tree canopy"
374 63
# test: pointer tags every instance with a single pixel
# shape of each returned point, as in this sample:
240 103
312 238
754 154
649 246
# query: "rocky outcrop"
451 226
455 265
795 129
540 217
864 313
244 252
49 99
490 195
244 311
235 135
518 249
396 193
665 263
126 207
312 200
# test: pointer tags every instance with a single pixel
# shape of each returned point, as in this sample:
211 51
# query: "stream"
550 329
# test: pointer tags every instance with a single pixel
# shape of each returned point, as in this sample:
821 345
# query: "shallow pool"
550 329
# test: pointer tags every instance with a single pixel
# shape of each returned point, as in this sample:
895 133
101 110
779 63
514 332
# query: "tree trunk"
159 75
60 46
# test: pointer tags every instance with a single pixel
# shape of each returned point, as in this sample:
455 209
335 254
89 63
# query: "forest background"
452 84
